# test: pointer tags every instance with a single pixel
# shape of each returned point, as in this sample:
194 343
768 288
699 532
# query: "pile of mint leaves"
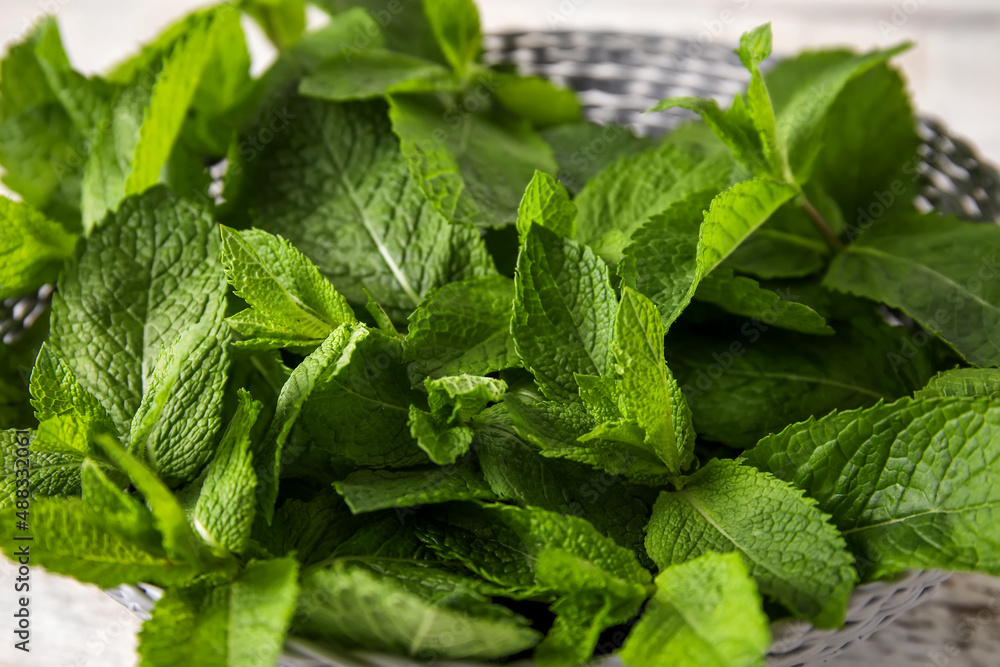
387 350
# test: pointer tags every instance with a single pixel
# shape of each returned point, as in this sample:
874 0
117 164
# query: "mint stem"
822 225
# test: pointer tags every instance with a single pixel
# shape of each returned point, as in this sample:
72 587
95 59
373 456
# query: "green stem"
821 225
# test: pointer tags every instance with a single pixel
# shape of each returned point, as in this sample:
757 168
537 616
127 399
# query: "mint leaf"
646 390
312 529
283 21
374 73
291 303
442 443
459 398
226 506
476 166
563 311
936 270
181 409
332 355
404 29
147 275
706 612
538 100
356 608
621 198
32 248
370 490
80 545
49 474
55 391
463 327
962 382
780 535
744 296
456 25
546 203
775 253
121 513
907 483
240 623
367 226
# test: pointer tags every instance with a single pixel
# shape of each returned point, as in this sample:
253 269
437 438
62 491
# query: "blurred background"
954 75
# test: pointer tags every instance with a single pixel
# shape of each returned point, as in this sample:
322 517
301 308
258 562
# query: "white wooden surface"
954 73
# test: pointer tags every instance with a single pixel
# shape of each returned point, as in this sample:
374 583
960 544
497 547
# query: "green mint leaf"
367 226
370 490
227 504
472 166
935 269
803 89
755 46
774 253
181 410
646 389
895 474
582 150
359 408
143 122
747 381
538 100
332 355
49 474
443 444
459 398
32 248
403 28
621 198
143 278
88 550
546 203
240 623
796 556
869 159
744 296
56 391
374 73
962 382
283 21
290 300
455 23
705 613
39 141
313 529
463 327
563 311
356 608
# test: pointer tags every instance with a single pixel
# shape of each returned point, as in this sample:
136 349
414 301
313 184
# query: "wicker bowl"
618 76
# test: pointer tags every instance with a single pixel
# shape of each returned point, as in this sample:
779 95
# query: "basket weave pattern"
618 76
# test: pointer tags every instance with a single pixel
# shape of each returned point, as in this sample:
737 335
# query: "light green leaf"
119 512
473 167
463 327
32 248
374 73
456 25
706 613
150 273
443 444
962 382
539 100
47 473
546 203
626 194
459 398
563 311
283 21
55 391
227 504
290 300
646 390
938 270
370 490
909 484
796 556
356 608
365 224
